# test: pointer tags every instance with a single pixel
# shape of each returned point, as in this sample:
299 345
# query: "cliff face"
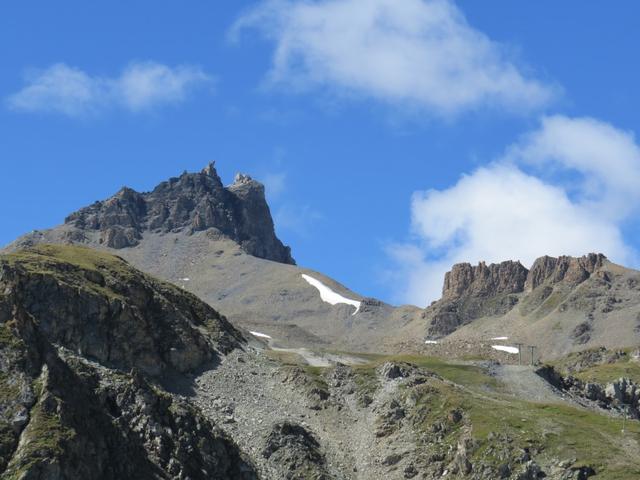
84 341
495 279
571 270
191 202
471 292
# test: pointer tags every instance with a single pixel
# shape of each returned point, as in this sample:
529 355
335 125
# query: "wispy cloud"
298 219
275 184
140 86
413 53
566 188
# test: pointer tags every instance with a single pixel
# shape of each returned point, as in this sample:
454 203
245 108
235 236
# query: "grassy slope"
560 431
603 373
557 431
78 266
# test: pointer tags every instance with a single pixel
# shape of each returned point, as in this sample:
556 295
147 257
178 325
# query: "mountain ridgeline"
192 202
170 335
219 243
471 292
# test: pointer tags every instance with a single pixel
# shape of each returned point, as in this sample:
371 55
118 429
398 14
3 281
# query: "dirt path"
522 382
318 359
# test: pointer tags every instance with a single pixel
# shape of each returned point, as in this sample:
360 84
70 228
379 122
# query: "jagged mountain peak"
573 270
189 203
210 170
471 292
512 277
483 279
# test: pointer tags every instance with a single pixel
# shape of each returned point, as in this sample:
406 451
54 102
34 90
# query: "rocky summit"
170 335
192 202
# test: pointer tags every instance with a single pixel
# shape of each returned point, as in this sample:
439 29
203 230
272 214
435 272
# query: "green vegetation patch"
552 302
554 431
461 373
9 390
44 439
46 433
8 340
79 267
606 366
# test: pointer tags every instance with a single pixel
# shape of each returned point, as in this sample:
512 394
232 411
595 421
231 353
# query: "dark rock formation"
97 305
486 290
571 270
83 339
191 202
495 279
296 451
473 292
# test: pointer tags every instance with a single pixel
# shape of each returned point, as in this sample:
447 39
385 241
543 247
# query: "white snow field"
504 348
500 338
258 334
431 342
329 296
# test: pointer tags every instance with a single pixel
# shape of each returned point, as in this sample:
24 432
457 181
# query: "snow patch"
504 348
431 342
258 334
500 338
185 279
329 296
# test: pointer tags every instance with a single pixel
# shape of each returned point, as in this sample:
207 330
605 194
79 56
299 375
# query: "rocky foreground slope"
85 341
107 373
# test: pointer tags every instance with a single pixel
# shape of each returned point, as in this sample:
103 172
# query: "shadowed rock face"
84 341
191 202
99 306
471 292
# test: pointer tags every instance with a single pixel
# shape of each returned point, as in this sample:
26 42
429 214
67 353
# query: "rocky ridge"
470 292
192 202
85 343
218 243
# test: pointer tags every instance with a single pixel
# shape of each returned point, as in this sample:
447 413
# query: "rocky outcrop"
571 270
482 281
296 452
84 341
192 202
473 292
99 306
621 395
470 292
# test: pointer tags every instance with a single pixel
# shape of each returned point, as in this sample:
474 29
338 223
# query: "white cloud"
71 91
59 88
502 211
408 52
274 184
144 85
606 159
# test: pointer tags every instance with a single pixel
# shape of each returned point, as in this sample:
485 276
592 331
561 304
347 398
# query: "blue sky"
395 137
